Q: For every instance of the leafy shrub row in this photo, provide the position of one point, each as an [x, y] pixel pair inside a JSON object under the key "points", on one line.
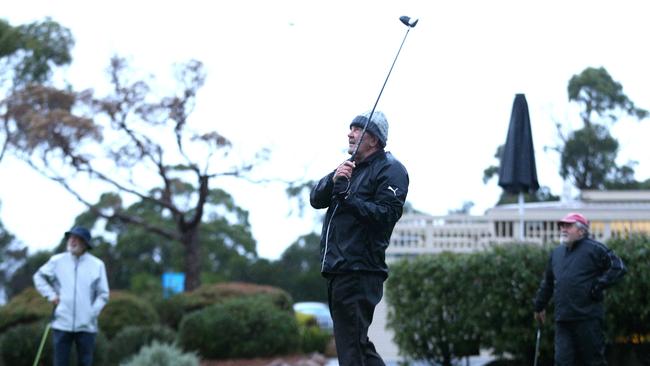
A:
{"points": [[240, 328], [262, 321], [445, 306]]}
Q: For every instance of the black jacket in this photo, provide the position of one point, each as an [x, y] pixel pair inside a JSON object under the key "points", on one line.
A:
{"points": [[576, 279], [357, 228]]}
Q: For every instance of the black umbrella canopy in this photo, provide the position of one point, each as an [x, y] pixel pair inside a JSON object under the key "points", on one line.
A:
{"points": [[517, 172]]}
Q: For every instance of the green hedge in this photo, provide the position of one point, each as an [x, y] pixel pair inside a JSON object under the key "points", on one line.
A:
{"points": [[173, 309], [19, 346], [445, 306], [131, 339], [27, 307], [240, 328], [124, 309]]}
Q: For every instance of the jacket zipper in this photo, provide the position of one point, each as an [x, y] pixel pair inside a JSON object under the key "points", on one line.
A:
{"points": [[74, 297], [327, 237]]}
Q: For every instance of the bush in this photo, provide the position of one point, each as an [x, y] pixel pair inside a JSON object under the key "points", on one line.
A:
{"points": [[484, 299], [125, 309], [432, 305], [131, 339], [27, 307], [240, 328], [161, 354], [19, 346], [312, 337], [173, 309]]}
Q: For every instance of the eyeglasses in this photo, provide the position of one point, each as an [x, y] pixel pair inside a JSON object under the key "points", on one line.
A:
{"points": [[565, 225]]}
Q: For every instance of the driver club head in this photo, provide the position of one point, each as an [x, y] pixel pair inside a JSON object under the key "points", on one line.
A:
{"points": [[407, 21]]}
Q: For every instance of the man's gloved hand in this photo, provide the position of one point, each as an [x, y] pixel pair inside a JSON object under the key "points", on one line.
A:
{"points": [[341, 186], [597, 293]]}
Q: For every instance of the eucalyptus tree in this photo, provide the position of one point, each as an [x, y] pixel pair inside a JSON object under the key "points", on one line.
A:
{"points": [[132, 142], [588, 155]]}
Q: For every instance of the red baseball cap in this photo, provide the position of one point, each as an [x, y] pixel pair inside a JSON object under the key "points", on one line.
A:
{"points": [[574, 217]]}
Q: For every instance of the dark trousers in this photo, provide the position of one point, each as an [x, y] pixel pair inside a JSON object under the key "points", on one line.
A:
{"points": [[580, 343], [352, 300], [85, 344]]}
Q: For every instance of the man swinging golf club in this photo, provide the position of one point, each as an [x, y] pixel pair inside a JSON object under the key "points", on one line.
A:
{"points": [[75, 282], [364, 199]]}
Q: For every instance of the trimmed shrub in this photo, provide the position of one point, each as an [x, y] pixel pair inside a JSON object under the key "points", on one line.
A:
{"points": [[485, 298], [430, 307], [173, 309], [240, 328], [161, 354], [312, 337], [124, 309], [19, 346], [131, 339], [27, 307]]}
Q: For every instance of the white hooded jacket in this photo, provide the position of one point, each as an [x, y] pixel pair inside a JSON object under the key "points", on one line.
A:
{"points": [[82, 288]]}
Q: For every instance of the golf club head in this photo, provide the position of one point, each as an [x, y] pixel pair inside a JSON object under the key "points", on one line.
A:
{"points": [[407, 21]]}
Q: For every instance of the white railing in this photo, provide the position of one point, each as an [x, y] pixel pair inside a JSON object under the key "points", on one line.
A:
{"points": [[418, 234]]}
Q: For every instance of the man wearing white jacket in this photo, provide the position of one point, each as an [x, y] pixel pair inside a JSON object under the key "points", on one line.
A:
{"points": [[75, 282]]}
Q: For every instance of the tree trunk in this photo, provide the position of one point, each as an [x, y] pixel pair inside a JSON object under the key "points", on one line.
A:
{"points": [[192, 259]]}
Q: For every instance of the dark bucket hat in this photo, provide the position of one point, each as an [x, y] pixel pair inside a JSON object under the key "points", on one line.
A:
{"points": [[82, 233]]}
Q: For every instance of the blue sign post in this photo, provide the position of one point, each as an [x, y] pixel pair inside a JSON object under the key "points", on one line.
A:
{"points": [[173, 283]]}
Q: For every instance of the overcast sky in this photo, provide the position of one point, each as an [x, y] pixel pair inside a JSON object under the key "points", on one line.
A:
{"points": [[291, 75]]}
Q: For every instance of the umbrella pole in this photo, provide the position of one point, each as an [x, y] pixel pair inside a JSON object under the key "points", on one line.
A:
{"points": [[521, 216]]}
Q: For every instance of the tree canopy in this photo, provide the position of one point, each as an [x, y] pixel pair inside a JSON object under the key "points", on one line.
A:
{"points": [[589, 154]]}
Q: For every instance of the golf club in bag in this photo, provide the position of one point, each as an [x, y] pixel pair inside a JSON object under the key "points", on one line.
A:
{"points": [[409, 24], [539, 333]]}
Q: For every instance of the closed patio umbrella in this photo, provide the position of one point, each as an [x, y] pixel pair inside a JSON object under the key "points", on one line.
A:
{"points": [[517, 171]]}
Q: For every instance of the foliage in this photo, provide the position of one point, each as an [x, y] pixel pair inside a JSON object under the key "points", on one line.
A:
{"points": [[27, 307], [506, 279], [125, 309], [297, 271], [76, 138], [589, 157], [245, 327], [431, 311], [589, 154], [19, 344], [11, 256], [131, 339], [173, 309], [32, 49], [161, 354], [439, 301], [626, 304], [312, 337], [21, 279], [599, 93]]}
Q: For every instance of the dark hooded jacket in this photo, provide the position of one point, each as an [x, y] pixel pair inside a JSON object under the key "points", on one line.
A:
{"points": [[576, 277], [357, 228]]}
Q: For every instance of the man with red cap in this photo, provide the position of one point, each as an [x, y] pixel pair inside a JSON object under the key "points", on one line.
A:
{"points": [[578, 272]]}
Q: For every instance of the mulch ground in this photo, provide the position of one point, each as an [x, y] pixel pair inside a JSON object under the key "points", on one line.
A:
{"points": [[291, 360]]}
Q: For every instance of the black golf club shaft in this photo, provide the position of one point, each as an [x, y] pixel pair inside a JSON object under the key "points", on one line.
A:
{"points": [[407, 21]]}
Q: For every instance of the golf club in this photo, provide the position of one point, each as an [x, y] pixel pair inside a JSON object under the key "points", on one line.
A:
{"points": [[539, 333], [45, 334], [409, 24]]}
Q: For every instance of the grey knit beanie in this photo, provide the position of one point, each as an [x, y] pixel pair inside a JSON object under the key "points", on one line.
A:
{"points": [[378, 126]]}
